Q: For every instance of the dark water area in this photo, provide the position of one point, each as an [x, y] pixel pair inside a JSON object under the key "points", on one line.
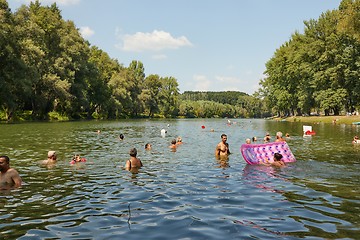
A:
{"points": [[182, 194]]}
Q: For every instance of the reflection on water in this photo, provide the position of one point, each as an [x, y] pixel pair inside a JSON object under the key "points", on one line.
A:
{"points": [[183, 194]]}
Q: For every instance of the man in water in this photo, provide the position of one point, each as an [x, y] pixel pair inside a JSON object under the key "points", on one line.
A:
{"points": [[9, 177], [222, 149], [51, 158]]}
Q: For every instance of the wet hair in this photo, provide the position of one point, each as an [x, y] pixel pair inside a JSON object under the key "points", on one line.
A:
{"points": [[277, 156], [223, 135], [173, 141], [7, 159], [133, 152], [147, 145], [254, 139], [121, 136]]}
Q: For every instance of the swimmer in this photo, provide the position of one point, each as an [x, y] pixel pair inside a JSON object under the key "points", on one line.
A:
{"points": [[179, 141], [9, 177], [173, 144], [133, 162], [356, 140], [254, 139], [248, 141], [267, 138], [287, 135], [121, 136], [279, 137], [148, 146], [77, 159], [278, 162], [222, 149], [51, 158]]}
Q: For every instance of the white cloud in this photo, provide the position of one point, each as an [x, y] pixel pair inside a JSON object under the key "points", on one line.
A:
{"points": [[86, 32], [154, 41], [159, 56], [201, 83], [60, 2], [228, 80]]}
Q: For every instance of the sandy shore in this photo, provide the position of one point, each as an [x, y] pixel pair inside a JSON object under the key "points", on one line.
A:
{"points": [[324, 119]]}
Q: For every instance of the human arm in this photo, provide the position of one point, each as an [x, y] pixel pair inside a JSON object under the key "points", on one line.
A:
{"points": [[16, 178]]}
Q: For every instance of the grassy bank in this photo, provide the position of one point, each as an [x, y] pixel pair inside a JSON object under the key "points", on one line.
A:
{"points": [[325, 119]]}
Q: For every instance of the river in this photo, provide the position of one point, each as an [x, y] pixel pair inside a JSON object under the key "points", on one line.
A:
{"points": [[182, 194]]}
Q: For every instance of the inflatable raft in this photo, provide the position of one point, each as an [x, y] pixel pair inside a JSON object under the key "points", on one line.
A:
{"points": [[262, 153]]}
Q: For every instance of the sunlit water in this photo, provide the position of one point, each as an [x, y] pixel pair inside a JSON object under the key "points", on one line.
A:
{"points": [[186, 194]]}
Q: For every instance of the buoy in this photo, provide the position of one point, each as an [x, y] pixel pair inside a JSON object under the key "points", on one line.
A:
{"points": [[203, 127]]}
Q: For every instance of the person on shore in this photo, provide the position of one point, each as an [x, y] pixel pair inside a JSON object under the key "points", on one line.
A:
{"points": [[148, 146], [222, 149], [133, 162], [279, 137], [51, 158], [9, 177]]}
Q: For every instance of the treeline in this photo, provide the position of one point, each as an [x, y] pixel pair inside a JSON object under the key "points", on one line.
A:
{"points": [[48, 71], [318, 70]]}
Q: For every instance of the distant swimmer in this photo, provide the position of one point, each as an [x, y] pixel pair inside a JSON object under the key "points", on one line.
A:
{"points": [[9, 177], [179, 141], [356, 140], [163, 132], [173, 144], [121, 136], [222, 149], [52, 157], [148, 146], [279, 137], [248, 141], [254, 139], [133, 162]]}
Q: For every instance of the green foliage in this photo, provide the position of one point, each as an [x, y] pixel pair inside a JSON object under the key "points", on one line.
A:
{"points": [[317, 69]]}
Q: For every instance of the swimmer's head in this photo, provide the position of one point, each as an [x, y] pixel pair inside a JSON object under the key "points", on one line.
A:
{"points": [[148, 146], [179, 139], [173, 141], [133, 152], [279, 134], [277, 156], [121, 136]]}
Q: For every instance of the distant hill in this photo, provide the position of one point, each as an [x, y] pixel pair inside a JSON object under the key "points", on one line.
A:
{"points": [[225, 97]]}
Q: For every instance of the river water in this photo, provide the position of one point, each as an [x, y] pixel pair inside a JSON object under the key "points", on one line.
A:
{"points": [[182, 194]]}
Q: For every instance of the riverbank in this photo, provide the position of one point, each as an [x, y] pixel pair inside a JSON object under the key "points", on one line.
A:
{"points": [[324, 119]]}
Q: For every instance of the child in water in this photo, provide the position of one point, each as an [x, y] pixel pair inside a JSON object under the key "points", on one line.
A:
{"points": [[77, 159]]}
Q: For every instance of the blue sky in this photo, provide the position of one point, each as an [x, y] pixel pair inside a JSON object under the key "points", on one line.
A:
{"points": [[207, 45]]}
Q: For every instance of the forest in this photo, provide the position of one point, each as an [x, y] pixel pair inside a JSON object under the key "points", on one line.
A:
{"points": [[48, 71]]}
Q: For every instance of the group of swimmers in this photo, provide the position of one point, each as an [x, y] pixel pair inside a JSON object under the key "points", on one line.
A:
{"points": [[267, 138]]}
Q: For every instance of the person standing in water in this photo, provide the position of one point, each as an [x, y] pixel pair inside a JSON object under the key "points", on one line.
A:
{"points": [[9, 177], [222, 149], [133, 162]]}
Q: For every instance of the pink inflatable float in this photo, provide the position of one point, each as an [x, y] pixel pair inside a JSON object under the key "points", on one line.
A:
{"points": [[260, 153]]}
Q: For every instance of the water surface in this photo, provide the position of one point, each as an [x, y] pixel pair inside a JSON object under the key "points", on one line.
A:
{"points": [[186, 194]]}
